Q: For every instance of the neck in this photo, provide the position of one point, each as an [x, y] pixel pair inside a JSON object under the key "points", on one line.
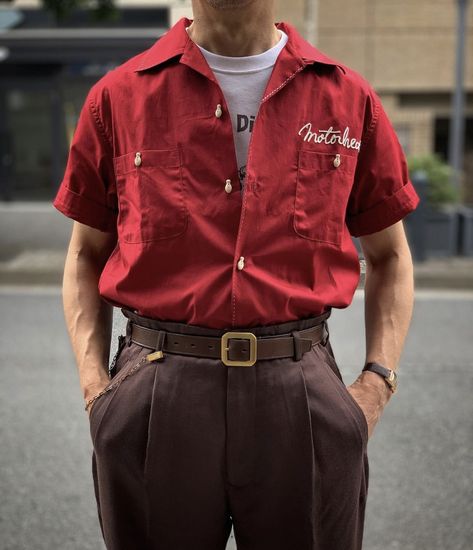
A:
{"points": [[248, 30]]}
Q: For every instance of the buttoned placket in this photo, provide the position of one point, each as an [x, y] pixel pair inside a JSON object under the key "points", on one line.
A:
{"points": [[287, 66], [219, 110], [272, 87], [218, 114]]}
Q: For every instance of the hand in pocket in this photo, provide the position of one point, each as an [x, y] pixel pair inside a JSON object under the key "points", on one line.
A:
{"points": [[371, 397]]}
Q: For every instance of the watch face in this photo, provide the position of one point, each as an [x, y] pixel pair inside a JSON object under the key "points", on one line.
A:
{"points": [[392, 379]]}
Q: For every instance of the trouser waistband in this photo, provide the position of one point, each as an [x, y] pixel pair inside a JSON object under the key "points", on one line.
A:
{"points": [[241, 346], [260, 330]]}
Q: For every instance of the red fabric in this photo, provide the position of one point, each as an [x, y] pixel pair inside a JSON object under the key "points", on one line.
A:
{"points": [[180, 234]]}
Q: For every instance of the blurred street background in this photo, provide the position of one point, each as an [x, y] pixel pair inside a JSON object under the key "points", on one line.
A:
{"points": [[419, 57]]}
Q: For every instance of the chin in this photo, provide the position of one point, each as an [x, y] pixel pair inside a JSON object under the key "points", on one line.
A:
{"points": [[229, 4]]}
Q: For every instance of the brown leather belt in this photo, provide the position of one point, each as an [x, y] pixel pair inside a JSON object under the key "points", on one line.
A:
{"points": [[233, 348]]}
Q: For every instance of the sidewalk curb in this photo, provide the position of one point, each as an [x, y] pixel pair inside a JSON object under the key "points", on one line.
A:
{"points": [[54, 278], [45, 267]]}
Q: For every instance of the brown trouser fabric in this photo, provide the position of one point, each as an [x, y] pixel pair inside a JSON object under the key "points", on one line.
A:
{"points": [[185, 448]]}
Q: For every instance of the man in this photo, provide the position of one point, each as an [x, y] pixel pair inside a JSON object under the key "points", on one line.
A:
{"points": [[216, 181]]}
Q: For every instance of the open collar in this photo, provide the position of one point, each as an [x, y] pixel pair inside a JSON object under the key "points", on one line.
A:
{"points": [[176, 42]]}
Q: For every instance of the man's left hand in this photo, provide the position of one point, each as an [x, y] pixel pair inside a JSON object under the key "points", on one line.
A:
{"points": [[371, 393]]}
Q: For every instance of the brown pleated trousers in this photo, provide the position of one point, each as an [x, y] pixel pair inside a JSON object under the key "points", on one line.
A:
{"points": [[187, 447]]}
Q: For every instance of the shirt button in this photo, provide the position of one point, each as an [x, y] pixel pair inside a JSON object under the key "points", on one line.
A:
{"points": [[241, 263], [218, 111], [228, 186], [337, 161], [138, 159]]}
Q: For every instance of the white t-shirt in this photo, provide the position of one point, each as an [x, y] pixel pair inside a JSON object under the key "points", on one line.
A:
{"points": [[243, 81]]}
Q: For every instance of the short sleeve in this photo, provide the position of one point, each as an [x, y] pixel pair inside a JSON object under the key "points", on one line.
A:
{"points": [[87, 192], [382, 192]]}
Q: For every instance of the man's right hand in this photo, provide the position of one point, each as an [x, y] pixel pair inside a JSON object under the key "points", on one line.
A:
{"points": [[93, 391], [88, 317], [90, 408]]}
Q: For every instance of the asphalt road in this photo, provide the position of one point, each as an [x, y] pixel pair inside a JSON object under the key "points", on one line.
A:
{"points": [[421, 453]]}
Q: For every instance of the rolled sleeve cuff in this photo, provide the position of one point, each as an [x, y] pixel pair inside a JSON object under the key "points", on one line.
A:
{"points": [[84, 210], [385, 213]]}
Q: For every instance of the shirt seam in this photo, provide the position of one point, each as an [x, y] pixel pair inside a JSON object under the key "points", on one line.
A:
{"points": [[373, 124], [291, 76], [89, 200], [99, 123], [88, 218]]}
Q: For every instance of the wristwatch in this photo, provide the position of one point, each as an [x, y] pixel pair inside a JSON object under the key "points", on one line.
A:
{"points": [[389, 375]]}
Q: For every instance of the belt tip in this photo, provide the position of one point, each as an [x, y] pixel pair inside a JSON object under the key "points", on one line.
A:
{"points": [[155, 356]]}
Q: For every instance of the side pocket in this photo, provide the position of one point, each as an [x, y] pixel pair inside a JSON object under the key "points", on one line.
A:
{"points": [[116, 366], [98, 411], [332, 363], [131, 360], [337, 377], [112, 371]]}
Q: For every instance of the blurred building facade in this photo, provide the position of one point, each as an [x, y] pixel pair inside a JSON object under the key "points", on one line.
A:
{"points": [[405, 48], [46, 68]]}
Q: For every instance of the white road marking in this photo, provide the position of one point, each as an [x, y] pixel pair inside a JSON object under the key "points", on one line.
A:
{"points": [[27, 290], [432, 294]]}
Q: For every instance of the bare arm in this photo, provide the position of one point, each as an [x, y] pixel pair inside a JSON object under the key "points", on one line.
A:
{"points": [[389, 297], [389, 294], [88, 317]]}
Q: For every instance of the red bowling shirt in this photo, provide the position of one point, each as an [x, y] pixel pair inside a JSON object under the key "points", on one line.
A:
{"points": [[153, 158]]}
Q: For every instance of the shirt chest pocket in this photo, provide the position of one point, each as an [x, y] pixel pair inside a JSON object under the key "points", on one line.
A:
{"points": [[323, 185], [150, 191]]}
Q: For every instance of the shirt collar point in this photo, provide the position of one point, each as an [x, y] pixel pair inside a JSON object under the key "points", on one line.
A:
{"points": [[167, 46]]}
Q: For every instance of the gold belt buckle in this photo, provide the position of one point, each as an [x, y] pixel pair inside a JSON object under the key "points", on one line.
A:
{"points": [[224, 348]]}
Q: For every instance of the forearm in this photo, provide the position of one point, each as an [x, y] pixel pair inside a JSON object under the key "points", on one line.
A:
{"points": [[389, 298], [88, 319]]}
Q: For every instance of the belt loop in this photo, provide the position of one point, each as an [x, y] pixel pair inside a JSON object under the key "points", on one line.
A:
{"points": [[298, 351], [128, 333], [157, 354], [160, 340]]}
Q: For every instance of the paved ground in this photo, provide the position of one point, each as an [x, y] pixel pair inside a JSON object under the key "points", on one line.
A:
{"points": [[421, 479], [44, 266], [34, 238]]}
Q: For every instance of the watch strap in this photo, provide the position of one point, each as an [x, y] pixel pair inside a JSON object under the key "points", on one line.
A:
{"points": [[389, 375]]}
